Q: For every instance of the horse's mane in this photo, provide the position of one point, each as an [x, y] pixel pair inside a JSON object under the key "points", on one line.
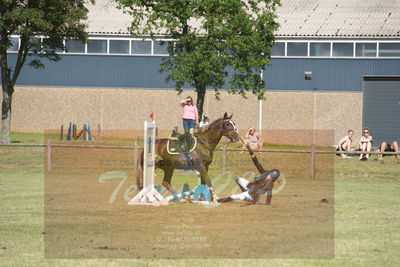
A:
{"points": [[215, 125]]}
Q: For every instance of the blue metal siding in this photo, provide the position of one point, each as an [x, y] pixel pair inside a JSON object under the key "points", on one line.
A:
{"points": [[328, 74], [143, 72], [381, 109], [97, 71]]}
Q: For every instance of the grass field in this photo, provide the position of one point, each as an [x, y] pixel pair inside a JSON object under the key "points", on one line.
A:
{"points": [[365, 206]]}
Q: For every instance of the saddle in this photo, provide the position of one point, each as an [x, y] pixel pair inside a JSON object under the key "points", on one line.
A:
{"points": [[181, 143]]}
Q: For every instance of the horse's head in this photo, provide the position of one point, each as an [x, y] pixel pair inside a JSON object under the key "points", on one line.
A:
{"points": [[229, 128]]}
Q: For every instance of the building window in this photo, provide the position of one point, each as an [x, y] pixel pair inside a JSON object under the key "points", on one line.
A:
{"points": [[119, 46], [74, 46], [14, 44], [342, 49], [282, 48], [141, 47], [365, 49], [297, 49], [278, 50], [320, 49], [389, 49], [160, 48], [97, 46], [35, 44], [46, 46]]}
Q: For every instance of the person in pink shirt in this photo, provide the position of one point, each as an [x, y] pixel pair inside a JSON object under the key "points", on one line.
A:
{"points": [[190, 114]]}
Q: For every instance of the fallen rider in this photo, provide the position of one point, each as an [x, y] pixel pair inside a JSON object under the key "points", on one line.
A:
{"points": [[252, 191]]}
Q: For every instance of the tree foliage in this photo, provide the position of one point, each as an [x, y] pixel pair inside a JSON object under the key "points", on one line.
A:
{"points": [[54, 20], [216, 42]]}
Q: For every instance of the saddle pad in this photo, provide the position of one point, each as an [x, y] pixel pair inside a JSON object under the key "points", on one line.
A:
{"points": [[174, 147]]}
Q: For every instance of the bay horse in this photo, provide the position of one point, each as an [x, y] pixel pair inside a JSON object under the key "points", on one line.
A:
{"points": [[199, 159]]}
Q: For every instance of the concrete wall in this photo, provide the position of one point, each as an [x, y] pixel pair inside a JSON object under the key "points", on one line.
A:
{"points": [[36, 109]]}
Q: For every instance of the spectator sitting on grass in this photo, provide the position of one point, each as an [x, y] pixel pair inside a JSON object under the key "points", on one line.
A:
{"points": [[253, 140], [345, 144], [365, 144], [385, 147]]}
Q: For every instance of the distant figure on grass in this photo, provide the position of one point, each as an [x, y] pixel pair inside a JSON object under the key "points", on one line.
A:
{"points": [[204, 122], [252, 139], [385, 147], [252, 191], [190, 115], [345, 144], [365, 144]]}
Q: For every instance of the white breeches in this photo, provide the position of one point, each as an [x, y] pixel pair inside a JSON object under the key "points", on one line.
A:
{"points": [[243, 182], [242, 196]]}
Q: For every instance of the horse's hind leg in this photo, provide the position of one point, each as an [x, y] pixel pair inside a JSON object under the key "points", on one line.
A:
{"points": [[139, 171], [168, 171]]}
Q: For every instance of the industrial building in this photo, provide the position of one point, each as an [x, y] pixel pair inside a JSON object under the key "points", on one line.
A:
{"points": [[335, 66]]}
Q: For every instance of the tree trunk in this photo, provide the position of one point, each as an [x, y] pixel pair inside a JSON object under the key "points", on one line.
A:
{"points": [[201, 93], [6, 116], [8, 90], [8, 82]]}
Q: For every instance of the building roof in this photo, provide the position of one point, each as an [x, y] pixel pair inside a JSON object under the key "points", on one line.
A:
{"points": [[297, 18], [339, 18], [105, 18]]}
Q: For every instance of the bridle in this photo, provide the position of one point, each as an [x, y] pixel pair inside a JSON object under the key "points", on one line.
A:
{"points": [[225, 129]]}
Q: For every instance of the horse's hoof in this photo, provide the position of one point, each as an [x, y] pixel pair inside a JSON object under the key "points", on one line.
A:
{"points": [[214, 198]]}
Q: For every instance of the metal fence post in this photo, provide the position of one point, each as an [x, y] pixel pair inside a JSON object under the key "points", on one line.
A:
{"points": [[98, 132], [135, 153], [49, 155], [312, 161], [224, 158], [62, 132]]}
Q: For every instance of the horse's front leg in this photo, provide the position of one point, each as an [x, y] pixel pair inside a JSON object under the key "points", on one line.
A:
{"points": [[201, 178], [207, 180], [168, 171]]}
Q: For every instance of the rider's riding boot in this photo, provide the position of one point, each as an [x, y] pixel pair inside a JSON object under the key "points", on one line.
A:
{"points": [[225, 199], [187, 140]]}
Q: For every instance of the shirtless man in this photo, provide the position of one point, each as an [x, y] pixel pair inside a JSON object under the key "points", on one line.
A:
{"points": [[385, 147], [252, 139]]}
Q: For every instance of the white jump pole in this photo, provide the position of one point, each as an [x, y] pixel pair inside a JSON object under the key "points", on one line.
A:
{"points": [[148, 195], [260, 108]]}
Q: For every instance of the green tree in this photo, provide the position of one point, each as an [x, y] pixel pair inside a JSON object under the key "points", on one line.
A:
{"points": [[52, 20], [216, 42]]}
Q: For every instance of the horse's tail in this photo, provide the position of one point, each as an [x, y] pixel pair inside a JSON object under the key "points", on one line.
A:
{"points": [[139, 171]]}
